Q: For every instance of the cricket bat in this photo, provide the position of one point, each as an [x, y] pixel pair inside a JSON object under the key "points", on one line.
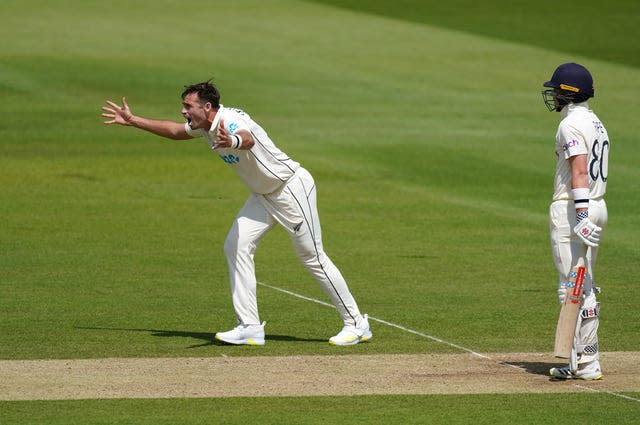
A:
{"points": [[565, 331]]}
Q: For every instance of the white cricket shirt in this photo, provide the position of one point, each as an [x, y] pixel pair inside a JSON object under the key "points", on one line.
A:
{"points": [[581, 132], [264, 167]]}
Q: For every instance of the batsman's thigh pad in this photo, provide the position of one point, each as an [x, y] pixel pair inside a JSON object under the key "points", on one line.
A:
{"points": [[598, 213], [566, 247]]}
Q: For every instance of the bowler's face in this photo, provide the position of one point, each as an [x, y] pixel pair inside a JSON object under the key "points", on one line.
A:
{"points": [[195, 112]]}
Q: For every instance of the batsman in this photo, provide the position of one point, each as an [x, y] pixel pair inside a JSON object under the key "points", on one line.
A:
{"points": [[577, 217]]}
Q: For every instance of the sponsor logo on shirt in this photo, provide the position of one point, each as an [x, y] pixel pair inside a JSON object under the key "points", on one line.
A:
{"points": [[230, 159], [570, 144]]}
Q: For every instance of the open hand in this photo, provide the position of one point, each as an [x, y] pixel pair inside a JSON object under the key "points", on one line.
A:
{"points": [[118, 114], [223, 137]]}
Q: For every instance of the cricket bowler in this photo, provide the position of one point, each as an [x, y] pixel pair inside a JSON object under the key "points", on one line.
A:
{"points": [[281, 192], [578, 212]]}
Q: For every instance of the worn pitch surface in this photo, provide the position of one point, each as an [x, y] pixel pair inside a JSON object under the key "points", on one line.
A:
{"points": [[304, 376]]}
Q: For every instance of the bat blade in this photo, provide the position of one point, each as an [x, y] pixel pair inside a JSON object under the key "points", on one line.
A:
{"points": [[568, 318]]}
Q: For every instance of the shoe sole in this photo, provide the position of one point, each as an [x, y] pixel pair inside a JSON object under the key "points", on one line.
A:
{"points": [[250, 341], [590, 378], [572, 376], [363, 338], [581, 378]]}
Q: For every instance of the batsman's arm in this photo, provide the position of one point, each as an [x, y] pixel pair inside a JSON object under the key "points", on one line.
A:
{"points": [[586, 230], [579, 175], [122, 115]]}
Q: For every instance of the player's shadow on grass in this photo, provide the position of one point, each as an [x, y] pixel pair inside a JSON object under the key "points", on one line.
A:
{"points": [[208, 338]]}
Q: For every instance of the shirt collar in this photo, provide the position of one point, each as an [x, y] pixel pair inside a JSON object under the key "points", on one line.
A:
{"points": [[216, 120], [574, 107]]}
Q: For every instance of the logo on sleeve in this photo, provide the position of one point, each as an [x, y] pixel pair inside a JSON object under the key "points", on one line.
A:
{"points": [[571, 144]]}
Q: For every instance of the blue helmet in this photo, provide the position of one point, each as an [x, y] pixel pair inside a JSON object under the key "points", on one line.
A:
{"points": [[569, 83]]}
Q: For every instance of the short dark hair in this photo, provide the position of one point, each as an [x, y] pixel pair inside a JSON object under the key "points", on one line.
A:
{"points": [[207, 92]]}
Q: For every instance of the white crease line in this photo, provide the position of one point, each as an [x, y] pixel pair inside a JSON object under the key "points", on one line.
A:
{"points": [[431, 337], [436, 339], [393, 325], [607, 392]]}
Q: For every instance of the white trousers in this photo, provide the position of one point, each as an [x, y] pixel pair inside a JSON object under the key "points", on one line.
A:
{"points": [[294, 207], [566, 247]]}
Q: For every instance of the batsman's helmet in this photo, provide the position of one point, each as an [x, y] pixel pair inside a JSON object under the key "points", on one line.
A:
{"points": [[569, 83]]}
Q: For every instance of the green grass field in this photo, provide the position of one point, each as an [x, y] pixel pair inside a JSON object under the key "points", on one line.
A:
{"points": [[423, 125]]}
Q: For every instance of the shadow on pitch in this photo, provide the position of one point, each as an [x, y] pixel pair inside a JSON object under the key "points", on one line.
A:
{"points": [[535, 368], [207, 338]]}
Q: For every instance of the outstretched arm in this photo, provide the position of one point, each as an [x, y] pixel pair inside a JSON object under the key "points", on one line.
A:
{"points": [[122, 115]]}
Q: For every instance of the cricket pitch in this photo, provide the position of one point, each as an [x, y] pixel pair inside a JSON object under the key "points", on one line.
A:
{"points": [[289, 376]]}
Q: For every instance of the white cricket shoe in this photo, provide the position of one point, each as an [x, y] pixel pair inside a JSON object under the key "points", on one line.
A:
{"points": [[243, 335], [591, 372], [351, 335]]}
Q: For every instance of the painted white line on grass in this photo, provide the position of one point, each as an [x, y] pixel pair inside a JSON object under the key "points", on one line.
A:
{"points": [[607, 392], [436, 339], [297, 295], [393, 325], [431, 337]]}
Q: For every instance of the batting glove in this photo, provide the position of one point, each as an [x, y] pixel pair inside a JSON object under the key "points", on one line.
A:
{"points": [[588, 232]]}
